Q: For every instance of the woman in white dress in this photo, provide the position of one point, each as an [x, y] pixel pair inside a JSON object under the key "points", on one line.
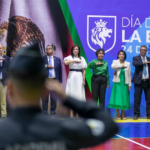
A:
{"points": [[76, 78]]}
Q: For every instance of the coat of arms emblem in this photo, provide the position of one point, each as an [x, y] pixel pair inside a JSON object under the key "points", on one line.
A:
{"points": [[101, 32]]}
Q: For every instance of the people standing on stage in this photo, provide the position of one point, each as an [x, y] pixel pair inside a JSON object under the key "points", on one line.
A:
{"points": [[120, 96], [100, 78], [76, 78], [54, 71], [141, 81], [4, 62]]}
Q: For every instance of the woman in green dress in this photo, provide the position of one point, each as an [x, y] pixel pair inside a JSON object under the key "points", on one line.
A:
{"points": [[120, 96]]}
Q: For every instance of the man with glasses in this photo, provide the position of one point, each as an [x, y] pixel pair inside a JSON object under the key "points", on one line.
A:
{"points": [[141, 81], [54, 71]]}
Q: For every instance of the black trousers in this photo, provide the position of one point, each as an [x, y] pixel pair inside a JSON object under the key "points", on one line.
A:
{"points": [[53, 104], [45, 105], [144, 85], [98, 85]]}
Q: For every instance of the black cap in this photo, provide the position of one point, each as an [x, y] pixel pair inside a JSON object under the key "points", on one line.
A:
{"points": [[28, 62]]}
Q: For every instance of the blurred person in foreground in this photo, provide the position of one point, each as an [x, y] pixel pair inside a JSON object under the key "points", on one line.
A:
{"points": [[23, 45], [14, 52], [28, 128]]}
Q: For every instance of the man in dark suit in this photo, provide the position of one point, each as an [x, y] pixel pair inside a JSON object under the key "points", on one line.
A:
{"points": [[141, 81], [54, 71], [4, 62]]}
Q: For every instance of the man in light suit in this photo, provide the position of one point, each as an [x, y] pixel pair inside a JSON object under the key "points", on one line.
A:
{"points": [[54, 71], [4, 62], [141, 81]]}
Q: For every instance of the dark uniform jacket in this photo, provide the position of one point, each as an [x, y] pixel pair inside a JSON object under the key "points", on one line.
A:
{"points": [[27, 128]]}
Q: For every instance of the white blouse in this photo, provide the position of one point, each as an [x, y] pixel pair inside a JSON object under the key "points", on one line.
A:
{"points": [[81, 65]]}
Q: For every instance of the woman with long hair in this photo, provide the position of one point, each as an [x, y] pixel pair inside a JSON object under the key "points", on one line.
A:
{"points": [[76, 78], [120, 97]]}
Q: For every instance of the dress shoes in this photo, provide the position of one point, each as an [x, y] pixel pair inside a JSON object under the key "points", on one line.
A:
{"points": [[135, 117]]}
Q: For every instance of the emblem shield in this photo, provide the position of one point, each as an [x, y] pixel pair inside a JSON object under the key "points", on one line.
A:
{"points": [[101, 32]]}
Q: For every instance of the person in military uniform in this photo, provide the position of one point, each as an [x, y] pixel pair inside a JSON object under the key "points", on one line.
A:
{"points": [[28, 128]]}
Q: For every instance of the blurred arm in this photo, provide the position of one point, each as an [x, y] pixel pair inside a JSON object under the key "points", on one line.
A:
{"points": [[96, 127]]}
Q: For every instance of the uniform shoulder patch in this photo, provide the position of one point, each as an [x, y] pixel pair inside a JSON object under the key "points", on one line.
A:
{"points": [[97, 127]]}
